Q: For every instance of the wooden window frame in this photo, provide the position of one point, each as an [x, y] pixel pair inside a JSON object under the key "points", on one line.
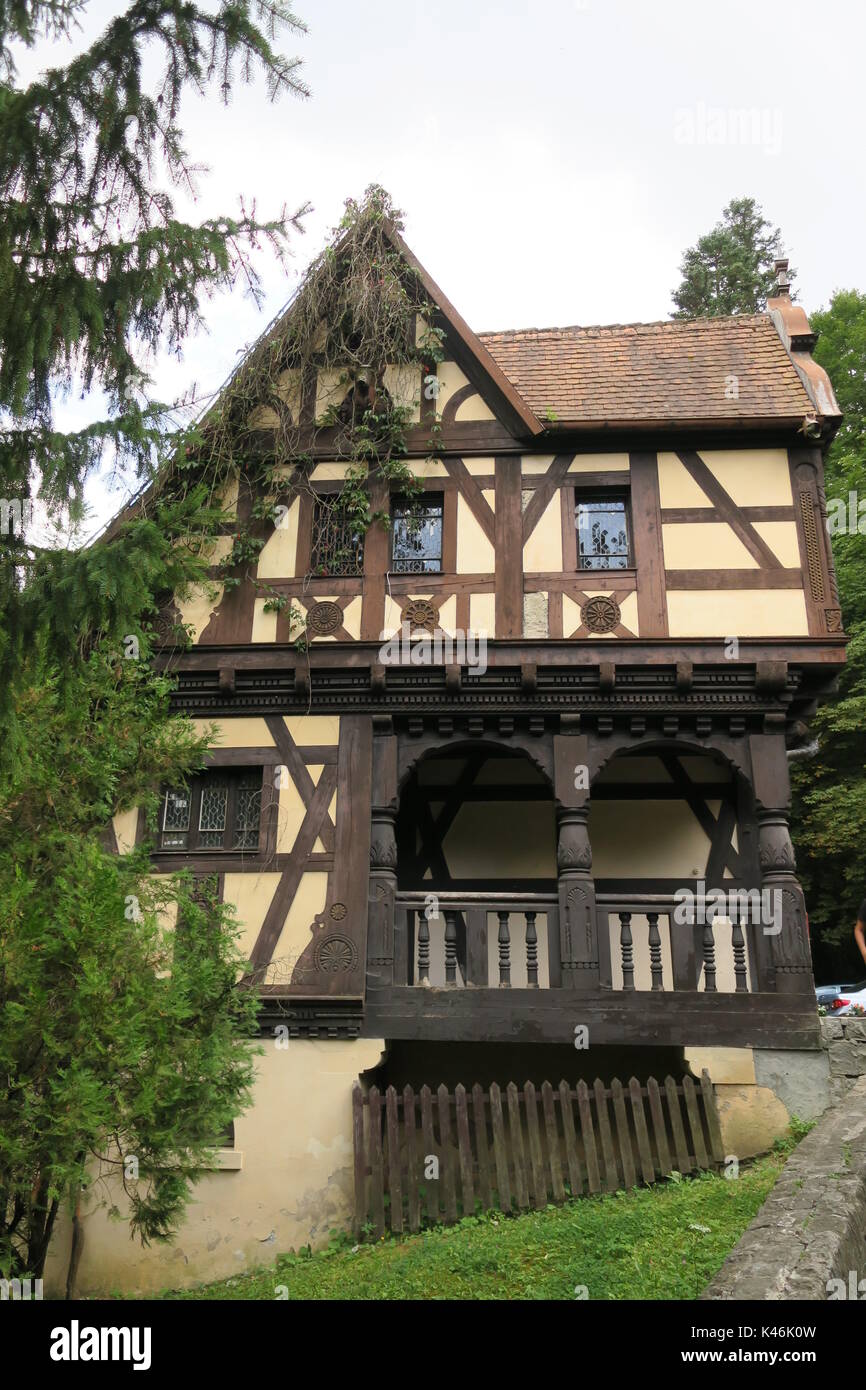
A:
{"points": [[320, 495], [580, 494], [233, 777]]}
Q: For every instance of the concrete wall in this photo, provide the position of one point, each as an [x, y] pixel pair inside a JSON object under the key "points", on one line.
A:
{"points": [[287, 1183]]}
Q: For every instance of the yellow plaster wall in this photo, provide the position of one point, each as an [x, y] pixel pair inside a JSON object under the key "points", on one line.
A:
{"points": [[277, 556], [781, 537], [307, 904], [646, 839], [250, 895], [403, 384], [475, 554], [294, 1182], [752, 477], [329, 472], [482, 614], [677, 488], [264, 624], [198, 606], [542, 553], [502, 838], [427, 468], [704, 545], [600, 463], [243, 731], [125, 824], [313, 728], [737, 613]]}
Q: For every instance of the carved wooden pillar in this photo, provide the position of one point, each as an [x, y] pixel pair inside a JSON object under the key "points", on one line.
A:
{"points": [[783, 906], [383, 866], [577, 914], [579, 948], [383, 886]]}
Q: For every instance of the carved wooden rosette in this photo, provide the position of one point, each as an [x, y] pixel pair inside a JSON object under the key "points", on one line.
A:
{"points": [[578, 939]]}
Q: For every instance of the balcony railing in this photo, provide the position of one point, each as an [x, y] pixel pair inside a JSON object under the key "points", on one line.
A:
{"points": [[642, 947], [511, 940], [465, 940]]}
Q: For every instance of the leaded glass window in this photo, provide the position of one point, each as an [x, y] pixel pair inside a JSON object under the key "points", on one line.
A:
{"points": [[602, 533], [416, 546], [175, 820], [247, 813], [212, 816], [220, 810]]}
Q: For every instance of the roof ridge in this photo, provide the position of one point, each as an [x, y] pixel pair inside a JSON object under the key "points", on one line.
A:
{"points": [[651, 323]]}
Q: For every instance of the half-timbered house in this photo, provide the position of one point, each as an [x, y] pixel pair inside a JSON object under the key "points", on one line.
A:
{"points": [[553, 699]]}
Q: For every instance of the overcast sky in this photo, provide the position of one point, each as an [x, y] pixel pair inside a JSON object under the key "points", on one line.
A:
{"points": [[553, 158]]}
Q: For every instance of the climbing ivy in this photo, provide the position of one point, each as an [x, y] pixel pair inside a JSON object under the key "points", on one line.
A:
{"points": [[360, 319]]}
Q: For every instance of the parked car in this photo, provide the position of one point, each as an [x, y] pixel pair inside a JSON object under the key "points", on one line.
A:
{"points": [[842, 999]]}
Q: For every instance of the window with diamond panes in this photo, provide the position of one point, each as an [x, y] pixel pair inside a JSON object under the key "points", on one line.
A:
{"points": [[602, 533], [416, 545], [219, 811], [337, 545]]}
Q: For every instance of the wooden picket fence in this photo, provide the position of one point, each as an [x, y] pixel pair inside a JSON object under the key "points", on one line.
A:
{"points": [[464, 1152]]}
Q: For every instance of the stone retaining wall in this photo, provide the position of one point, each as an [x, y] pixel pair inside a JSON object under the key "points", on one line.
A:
{"points": [[844, 1040], [812, 1227]]}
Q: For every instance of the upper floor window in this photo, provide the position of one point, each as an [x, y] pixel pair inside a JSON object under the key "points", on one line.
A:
{"points": [[416, 531], [602, 533], [218, 810], [337, 544]]}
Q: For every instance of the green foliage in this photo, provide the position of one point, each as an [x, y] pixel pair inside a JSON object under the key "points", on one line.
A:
{"points": [[121, 1036], [97, 273], [362, 319], [664, 1242], [829, 820], [121, 1033], [730, 270]]}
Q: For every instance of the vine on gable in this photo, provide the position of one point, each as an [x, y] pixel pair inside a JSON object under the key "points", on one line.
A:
{"points": [[360, 324]]}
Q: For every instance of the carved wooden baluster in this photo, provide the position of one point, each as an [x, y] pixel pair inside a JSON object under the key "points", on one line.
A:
{"points": [[739, 944], [450, 948], [625, 943], [504, 951], [423, 949], [655, 948], [709, 958], [531, 951]]}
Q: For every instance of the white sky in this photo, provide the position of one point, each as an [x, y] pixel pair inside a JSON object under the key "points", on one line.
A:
{"points": [[553, 157]]}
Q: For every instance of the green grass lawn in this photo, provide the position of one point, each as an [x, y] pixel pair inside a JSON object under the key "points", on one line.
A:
{"points": [[664, 1242]]}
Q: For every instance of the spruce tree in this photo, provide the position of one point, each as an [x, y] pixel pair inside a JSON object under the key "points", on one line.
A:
{"points": [[730, 270], [121, 1019]]}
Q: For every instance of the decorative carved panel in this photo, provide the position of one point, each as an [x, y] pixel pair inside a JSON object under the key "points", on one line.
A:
{"points": [[324, 618], [601, 614]]}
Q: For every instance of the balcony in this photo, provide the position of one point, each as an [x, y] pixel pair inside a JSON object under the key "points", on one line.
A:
{"points": [[480, 965]]}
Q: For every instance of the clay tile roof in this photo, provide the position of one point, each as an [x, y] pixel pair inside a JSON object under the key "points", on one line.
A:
{"points": [[673, 370]]}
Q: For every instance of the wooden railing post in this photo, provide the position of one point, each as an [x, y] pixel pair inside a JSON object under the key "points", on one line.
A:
{"points": [[531, 951], [739, 948], [504, 951], [709, 957], [423, 949], [625, 942], [655, 950], [450, 947]]}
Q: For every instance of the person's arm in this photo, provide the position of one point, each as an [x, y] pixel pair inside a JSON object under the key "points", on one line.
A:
{"points": [[859, 937]]}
